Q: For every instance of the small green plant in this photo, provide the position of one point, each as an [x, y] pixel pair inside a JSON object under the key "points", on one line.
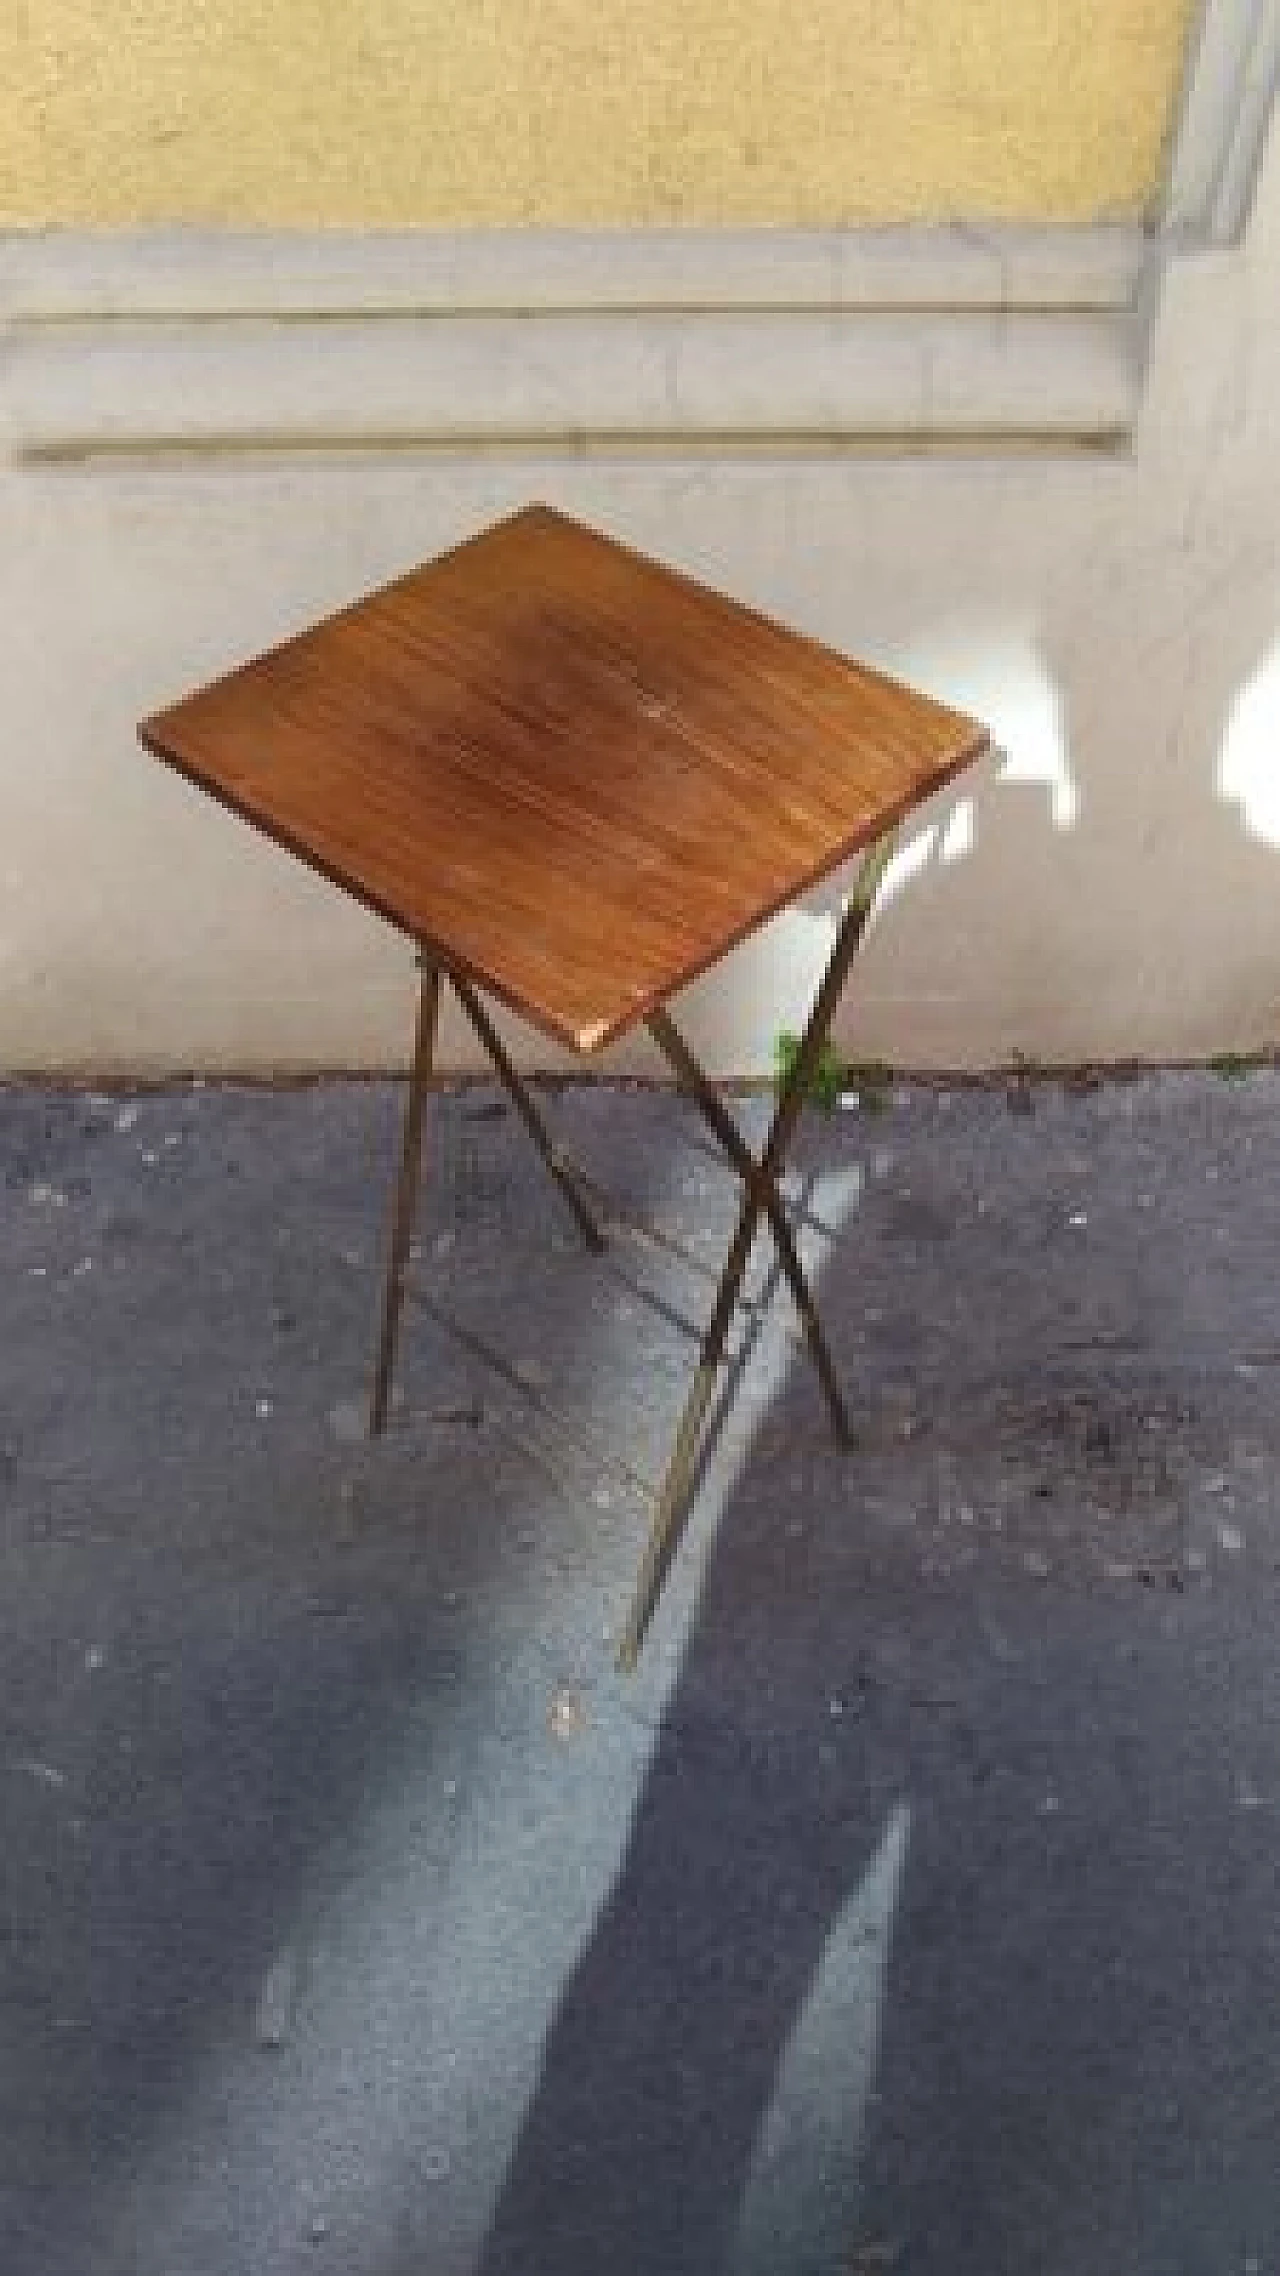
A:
{"points": [[826, 1081], [1233, 1066], [833, 1075]]}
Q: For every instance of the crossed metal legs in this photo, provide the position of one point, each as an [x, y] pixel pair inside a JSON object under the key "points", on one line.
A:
{"points": [[411, 1161], [760, 1198]]}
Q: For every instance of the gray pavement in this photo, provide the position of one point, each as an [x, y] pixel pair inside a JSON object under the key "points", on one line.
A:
{"points": [[913, 1909]]}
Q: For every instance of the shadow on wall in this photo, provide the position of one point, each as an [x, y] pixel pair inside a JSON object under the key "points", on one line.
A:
{"points": [[718, 2016], [1140, 870]]}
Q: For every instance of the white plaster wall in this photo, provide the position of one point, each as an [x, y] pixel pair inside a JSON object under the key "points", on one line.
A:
{"points": [[1110, 890]]}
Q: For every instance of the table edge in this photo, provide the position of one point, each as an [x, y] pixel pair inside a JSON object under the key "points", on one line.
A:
{"points": [[586, 1041]]}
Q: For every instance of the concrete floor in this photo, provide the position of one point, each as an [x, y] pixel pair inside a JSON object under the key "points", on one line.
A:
{"points": [[913, 1909]]}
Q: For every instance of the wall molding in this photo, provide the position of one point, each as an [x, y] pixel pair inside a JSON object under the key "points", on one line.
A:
{"points": [[49, 277], [676, 340], [682, 341]]}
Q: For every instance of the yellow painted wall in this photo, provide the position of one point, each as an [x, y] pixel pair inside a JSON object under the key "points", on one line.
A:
{"points": [[400, 113]]}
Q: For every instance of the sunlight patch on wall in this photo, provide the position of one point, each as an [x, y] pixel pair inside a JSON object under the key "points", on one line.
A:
{"points": [[911, 858], [1249, 766], [1001, 677], [957, 837]]}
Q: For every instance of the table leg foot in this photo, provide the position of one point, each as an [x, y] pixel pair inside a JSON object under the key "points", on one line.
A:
{"points": [[670, 1516]]}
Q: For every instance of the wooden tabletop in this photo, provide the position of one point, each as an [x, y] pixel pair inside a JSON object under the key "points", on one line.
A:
{"points": [[577, 775]]}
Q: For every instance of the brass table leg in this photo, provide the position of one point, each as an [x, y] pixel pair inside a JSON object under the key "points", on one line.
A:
{"points": [[406, 1193], [672, 1508], [411, 1160], [761, 1198], [672, 1043]]}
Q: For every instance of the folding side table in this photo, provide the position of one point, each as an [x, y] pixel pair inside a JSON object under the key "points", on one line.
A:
{"points": [[576, 779]]}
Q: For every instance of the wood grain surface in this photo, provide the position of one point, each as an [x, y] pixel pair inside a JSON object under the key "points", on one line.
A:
{"points": [[577, 775]]}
